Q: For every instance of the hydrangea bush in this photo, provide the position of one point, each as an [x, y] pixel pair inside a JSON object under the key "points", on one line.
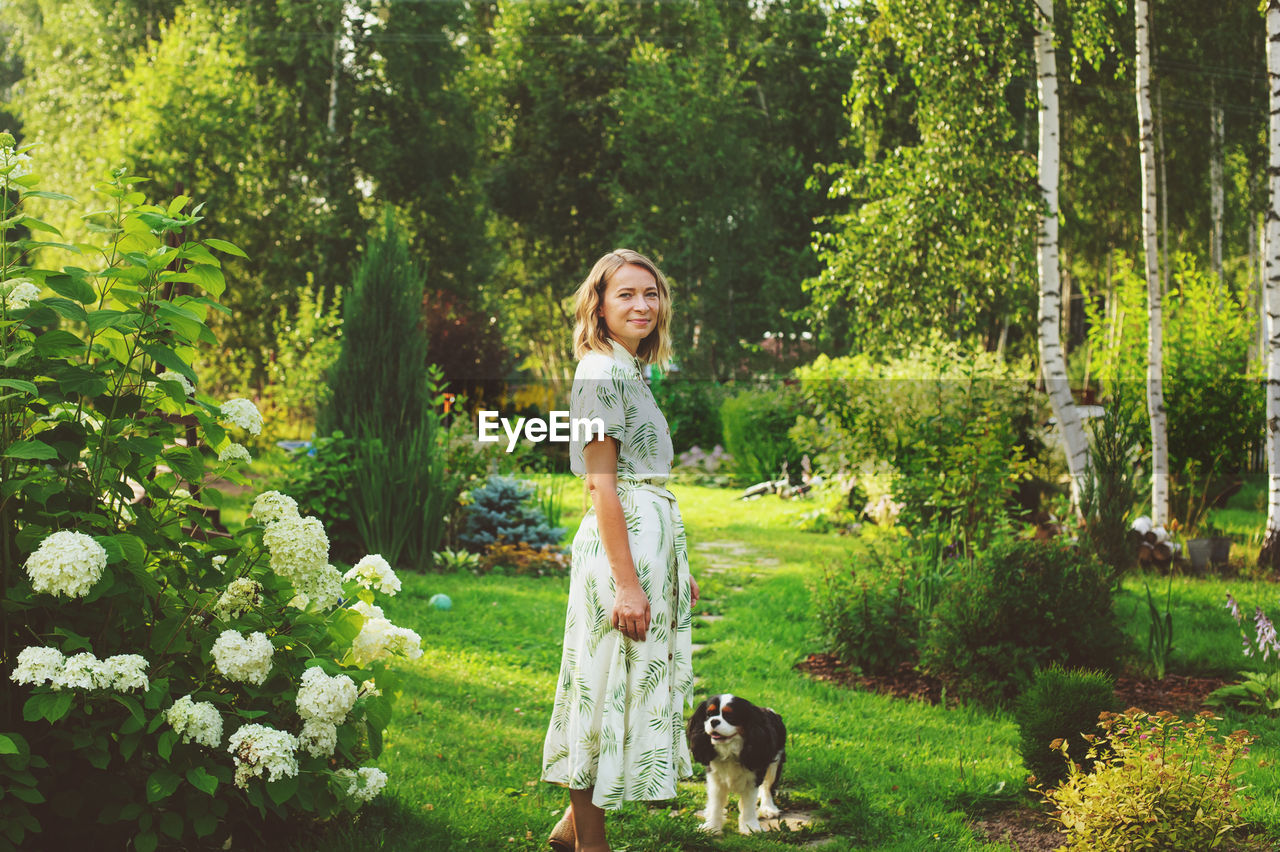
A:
{"points": [[165, 682]]}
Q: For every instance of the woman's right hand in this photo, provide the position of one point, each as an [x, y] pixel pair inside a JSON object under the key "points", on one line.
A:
{"points": [[631, 612]]}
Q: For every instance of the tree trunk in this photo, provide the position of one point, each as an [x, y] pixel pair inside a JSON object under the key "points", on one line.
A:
{"points": [[1270, 553], [1053, 363], [1155, 319], [1164, 191], [1215, 183]]}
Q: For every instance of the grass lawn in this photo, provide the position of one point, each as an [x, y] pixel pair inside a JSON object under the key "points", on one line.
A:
{"points": [[464, 750]]}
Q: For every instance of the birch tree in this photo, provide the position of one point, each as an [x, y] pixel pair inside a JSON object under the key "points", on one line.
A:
{"points": [[1216, 190], [1270, 553], [1155, 328], [1053, 362]]}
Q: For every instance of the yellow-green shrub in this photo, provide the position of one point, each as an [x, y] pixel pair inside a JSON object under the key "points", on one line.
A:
{"points": [[1157, 782]]}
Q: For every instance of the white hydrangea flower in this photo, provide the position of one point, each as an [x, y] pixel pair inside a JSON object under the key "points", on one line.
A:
{"points": [[174, 376], [82, 671], [374, 572], [181, 494], [258, 749], [196, 721], [219, 561], [19, 293], [273, 506], [298, 547], [325, 698], [241, 595], [379, 638], [318, 591], [66, 563], [363, 785], [127, 672], [234, 452], [369, 688], [244, 659], [319, 738], [242, 413], [38, 665]]}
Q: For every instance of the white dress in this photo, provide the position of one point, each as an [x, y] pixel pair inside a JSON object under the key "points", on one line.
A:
{"points": [[618, 720]]}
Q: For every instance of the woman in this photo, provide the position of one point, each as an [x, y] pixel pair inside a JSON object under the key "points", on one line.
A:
{"points": [[617, 731]]}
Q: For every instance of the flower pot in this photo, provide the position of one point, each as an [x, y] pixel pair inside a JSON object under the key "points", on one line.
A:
{"points": [[1198, 550], [1219, 549]]}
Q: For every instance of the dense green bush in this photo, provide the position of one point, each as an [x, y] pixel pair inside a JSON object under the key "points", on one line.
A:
{"points": [[692, 409], [1115, 479], [321, 481], [504, 510], [956, 429], [1060, 704], [874, 619], [1017, 607], [112, 731], [757, 423], [1156, 782]]}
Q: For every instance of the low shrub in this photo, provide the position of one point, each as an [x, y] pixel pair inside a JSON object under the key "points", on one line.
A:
{"points": [[503, 510], [1016, 607], [757, 423], [692, 409], [523, 560], [321, 481], [1157, 782], [1061, 704]]}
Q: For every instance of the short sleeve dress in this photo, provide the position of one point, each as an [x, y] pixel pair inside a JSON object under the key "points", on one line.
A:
{"points": [[618, 720]]}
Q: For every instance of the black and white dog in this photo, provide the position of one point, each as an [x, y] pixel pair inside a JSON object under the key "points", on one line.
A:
{"points": [[744, 748]]}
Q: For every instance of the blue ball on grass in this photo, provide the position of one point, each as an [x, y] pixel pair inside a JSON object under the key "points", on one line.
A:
{"points": [[441, 601]]}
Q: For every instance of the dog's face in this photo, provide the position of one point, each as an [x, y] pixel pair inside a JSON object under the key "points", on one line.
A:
{"points": [[726, 717]]}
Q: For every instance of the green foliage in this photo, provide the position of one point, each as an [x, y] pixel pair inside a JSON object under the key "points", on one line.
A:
{"points": [[93, 408], [1256, 691], [306, 344], [955, 429], [756, 425], [692, 409], [1160, 634], [1060, 704], [1114, 481], [521, 559], [503, 510], [1156, 782], [875, 619], [322, 481], [1017, 607]]}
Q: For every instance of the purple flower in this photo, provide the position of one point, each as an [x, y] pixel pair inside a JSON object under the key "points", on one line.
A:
{"points": [[1233, 608], [1266, 638]]}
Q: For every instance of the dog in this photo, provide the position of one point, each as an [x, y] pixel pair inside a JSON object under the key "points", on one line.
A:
{"points": [[744, 748]]}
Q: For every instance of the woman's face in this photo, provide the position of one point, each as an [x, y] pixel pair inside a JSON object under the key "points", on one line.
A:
{"points": [[630, 305]]}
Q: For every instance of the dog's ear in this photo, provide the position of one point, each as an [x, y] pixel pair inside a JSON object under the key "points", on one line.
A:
{"points": [[699, 743], [759, 745]]}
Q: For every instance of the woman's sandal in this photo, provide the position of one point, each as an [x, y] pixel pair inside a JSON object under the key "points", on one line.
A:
{"points": [[563, 837]]}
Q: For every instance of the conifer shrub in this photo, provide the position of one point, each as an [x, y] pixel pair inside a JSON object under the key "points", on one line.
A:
{"points": [[504, 510], [1060, 704]]}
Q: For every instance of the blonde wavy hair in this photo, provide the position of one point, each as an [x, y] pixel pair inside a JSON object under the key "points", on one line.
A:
{"points": [[590, 334]]}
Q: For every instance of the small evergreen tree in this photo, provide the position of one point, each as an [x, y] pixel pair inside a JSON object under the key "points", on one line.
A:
{"points": [[379, 382]]}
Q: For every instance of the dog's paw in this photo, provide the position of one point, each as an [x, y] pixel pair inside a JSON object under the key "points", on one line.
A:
{"points": [[711, 828], [749, 827], [766, 812]]}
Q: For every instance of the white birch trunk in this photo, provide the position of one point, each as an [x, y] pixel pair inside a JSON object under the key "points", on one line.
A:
{"points": [[1053, 362], [1155, 310], [1216, 191], [1271, 289]]}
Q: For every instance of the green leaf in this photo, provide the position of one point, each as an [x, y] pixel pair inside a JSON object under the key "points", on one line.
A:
{"points": [[20, 384], [223, 245], [205, 824], [58, 706], [281, 791], [44, 193], [161, 784], [67, 308], [164, 744], [30, 795], [210, 279], [202, 780], [147, 841], [33, 450], [73, 287], [170, 359], [7, 745], [35, 224], [98, 320]]}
